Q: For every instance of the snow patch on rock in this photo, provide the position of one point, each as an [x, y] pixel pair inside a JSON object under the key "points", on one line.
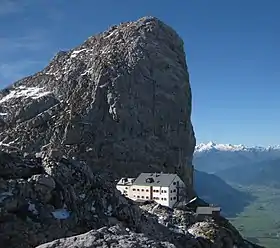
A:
{"points": [[25, 92], [75, 53]]}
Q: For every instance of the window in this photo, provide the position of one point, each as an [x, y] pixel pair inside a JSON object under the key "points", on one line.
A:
{"points": [[147, 197], [134, 196], [174, 198], [142, 196], [156, 190], [138, 189], [138, 196], [147, 190], [174, 183], [142, 190], [126, 188], [174, 190], [164, 199], [133, 189], [163, 191]]}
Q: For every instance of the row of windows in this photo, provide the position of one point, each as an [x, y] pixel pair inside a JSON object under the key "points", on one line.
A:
{"points": [[155, 198], [141, 190], [164, 199], [155, 190], [163, 191], [147, 197]]}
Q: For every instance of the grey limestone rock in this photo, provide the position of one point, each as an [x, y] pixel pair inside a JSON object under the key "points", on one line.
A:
{"points": [[67, 199], [124, 93], [114, 236]]}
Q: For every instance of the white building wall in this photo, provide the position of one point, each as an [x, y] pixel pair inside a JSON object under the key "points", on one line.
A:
{"points": [[124, 189], [176, 185], [161, 195], [166, 196], [142, 193], [173, 197], [124, 186]]}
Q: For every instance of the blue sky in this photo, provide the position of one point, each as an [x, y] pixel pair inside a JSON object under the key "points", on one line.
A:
{"points": [[232, 52]]}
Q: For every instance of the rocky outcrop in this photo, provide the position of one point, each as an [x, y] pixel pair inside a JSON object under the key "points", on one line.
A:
{"points": [[53, 197], [118, 237], [121, 99], [61, 198], [117, 105], [210, 231], [108, 237]]}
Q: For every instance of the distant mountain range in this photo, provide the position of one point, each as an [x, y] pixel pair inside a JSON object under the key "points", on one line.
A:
{"points": [[240, 164], [229, 147], [212, 157], [220, 167], [266, 173]]}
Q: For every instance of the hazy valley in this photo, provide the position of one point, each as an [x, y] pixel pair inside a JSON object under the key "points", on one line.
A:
{"points": [[253, 174]]}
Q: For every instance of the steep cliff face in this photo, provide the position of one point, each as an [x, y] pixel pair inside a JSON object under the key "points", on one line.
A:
{"points": [[120, 100]]}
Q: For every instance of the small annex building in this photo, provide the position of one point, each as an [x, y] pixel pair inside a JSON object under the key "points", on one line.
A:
{"points": [[203, 209], [163, 188]]}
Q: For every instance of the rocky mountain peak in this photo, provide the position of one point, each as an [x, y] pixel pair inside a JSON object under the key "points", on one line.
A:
{"points": [[117, 105], [121, 99]]}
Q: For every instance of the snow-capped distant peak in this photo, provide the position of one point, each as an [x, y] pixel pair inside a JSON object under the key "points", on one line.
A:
{"points": [[222, 147], [229, 147]]}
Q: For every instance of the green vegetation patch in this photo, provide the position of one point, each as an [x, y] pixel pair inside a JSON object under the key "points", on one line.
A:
{"points": [[260, 221]]}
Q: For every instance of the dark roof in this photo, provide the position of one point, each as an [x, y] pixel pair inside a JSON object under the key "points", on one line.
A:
{"points": [[154, 179]]}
